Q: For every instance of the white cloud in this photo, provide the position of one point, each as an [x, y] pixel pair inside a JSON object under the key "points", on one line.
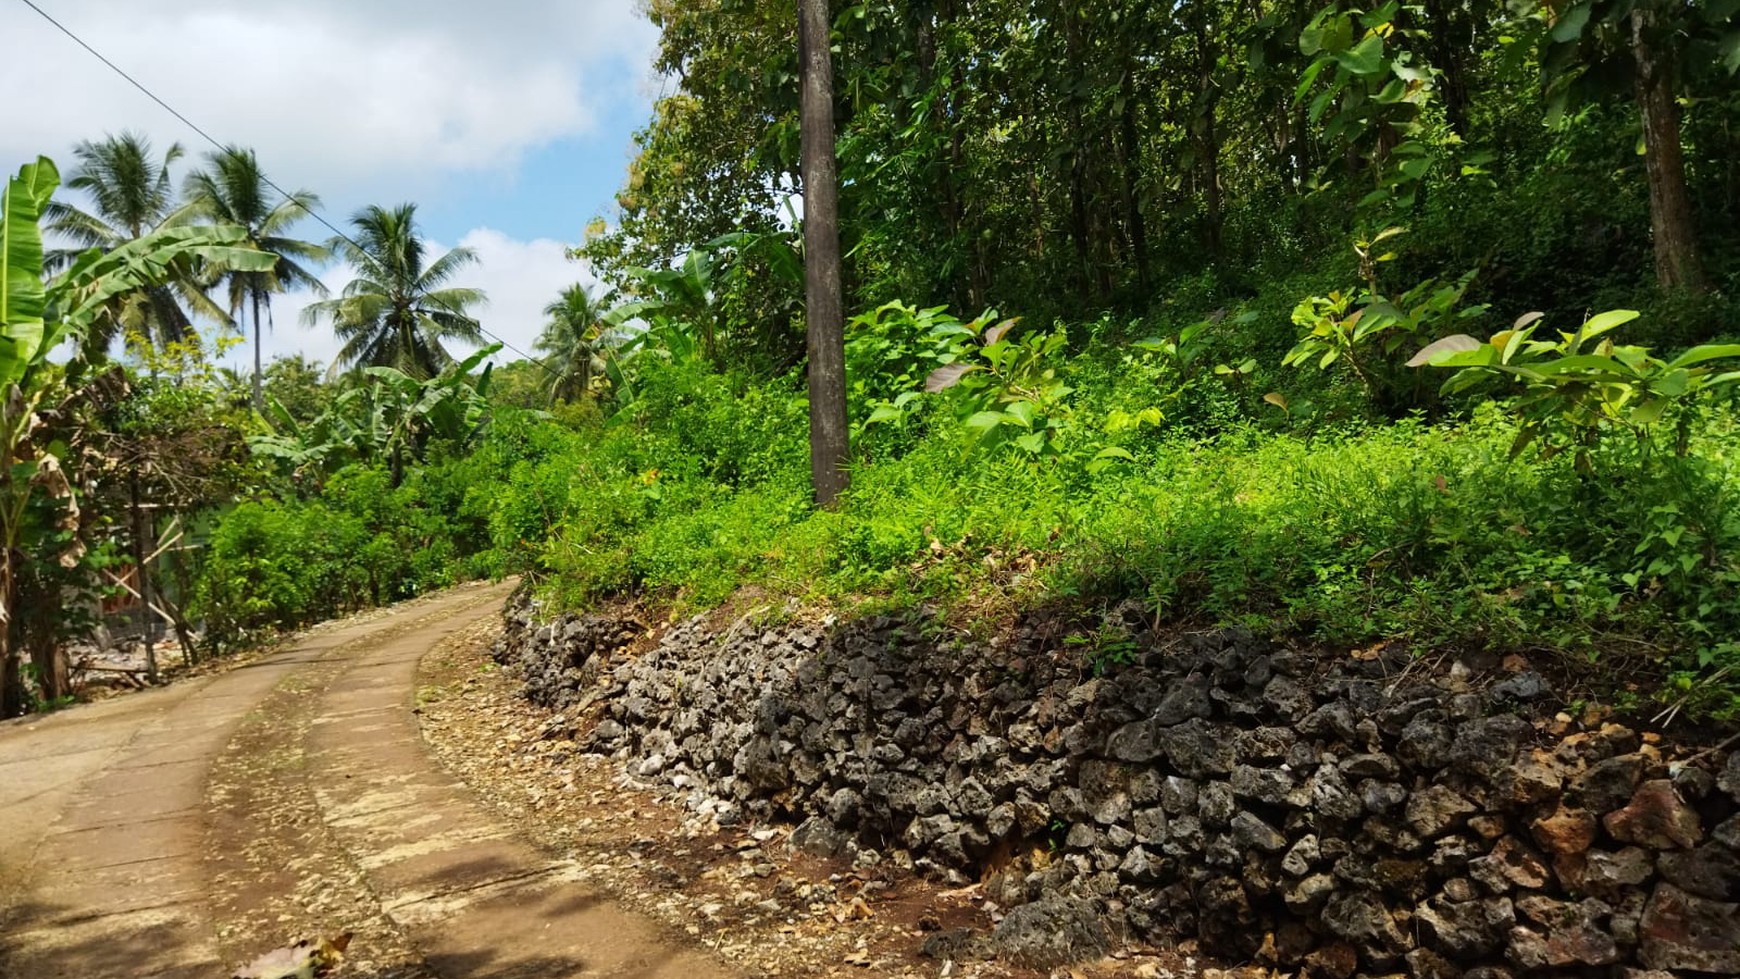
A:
{"points": [[347, 98], [520, 278]]}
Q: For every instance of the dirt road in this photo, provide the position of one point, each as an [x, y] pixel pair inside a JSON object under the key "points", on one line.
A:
{"points": [[179, 832]]}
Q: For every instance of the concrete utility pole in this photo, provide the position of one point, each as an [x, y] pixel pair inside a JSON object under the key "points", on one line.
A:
{"points": [[829, 439]]}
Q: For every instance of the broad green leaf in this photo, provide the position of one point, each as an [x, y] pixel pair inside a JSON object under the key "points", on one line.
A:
{"points": [[986, 420], [23, 299], [1309, 79], [1604, 322], [884, 414], [1460, 343], [1672, 384], [1571, 23], [1706, 352], [1022, 412], [1364, 58], [1649, 412]]}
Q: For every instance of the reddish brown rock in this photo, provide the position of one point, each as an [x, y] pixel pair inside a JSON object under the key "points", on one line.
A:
{"points": [[1577, 944], [1657, 818], [1510, 864], [1571, 869], [1566, 831], [1337, 960], [1489, 827], [1680, 931]]}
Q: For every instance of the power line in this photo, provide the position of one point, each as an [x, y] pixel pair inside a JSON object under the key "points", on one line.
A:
{"points": [[220, 147]]}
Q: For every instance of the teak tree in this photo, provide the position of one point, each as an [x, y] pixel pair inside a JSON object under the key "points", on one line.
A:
{"points": [[824, 304]]}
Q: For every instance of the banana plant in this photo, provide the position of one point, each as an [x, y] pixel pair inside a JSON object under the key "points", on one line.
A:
{"points": [[36, 317], [389, 416]]}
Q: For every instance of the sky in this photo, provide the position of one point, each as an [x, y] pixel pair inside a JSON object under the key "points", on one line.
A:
{"points": [[508, 123]]}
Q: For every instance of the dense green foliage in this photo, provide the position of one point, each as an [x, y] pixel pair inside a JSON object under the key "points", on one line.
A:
{"points": [[1298, 327]]}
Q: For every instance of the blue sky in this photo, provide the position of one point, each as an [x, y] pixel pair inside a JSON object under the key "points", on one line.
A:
{"points": [[509, 124]]}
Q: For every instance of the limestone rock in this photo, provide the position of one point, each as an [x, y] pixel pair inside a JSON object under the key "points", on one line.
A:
{"points": [[1656, 818], [1680, 931], [1565, 831], [1510, 864], [1052, 931], [1437, 810]]}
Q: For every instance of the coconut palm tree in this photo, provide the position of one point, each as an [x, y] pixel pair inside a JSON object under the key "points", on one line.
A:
{"points": [[235, 191], [399, 309], [572, 344], [131, 195]]}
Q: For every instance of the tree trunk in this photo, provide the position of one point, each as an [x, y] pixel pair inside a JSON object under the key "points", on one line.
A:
{"points": [[49, 659], [1133, 177], [1452, 44], [259, 401], [141, 551], [1670, 206], [1209, 143], [824, 303], [12, 697]]}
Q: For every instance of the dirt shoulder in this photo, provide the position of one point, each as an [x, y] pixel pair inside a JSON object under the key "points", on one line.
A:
{"points": [[740, 891]]}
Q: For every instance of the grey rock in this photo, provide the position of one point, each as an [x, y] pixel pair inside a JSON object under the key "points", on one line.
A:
{"points": [[1271, 786], [1302, 856], [1521, 688], [1607, 785], [1185, 700], [1709, 871], [1197, 748], [1288, 698], [1250, 831], [1729, 780], [1139, 742], [1215, 804], [1380, 797], [1425, 742], [1052, 931], [1001, 821], [1437, 810], [1465, 930], [1178, 796], [1370, 766], [1081, 836], [1307, 896], [1486, 746], [1605, 874], [817, 837], [1331, 797], [1138, 866], [1149, 825], [1362, 919]]}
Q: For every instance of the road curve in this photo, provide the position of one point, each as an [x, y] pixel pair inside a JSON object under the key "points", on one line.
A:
{"points": [[178, 832]]}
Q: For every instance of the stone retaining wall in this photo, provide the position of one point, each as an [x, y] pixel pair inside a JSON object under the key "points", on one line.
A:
{"points": [[1347, 815]]}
